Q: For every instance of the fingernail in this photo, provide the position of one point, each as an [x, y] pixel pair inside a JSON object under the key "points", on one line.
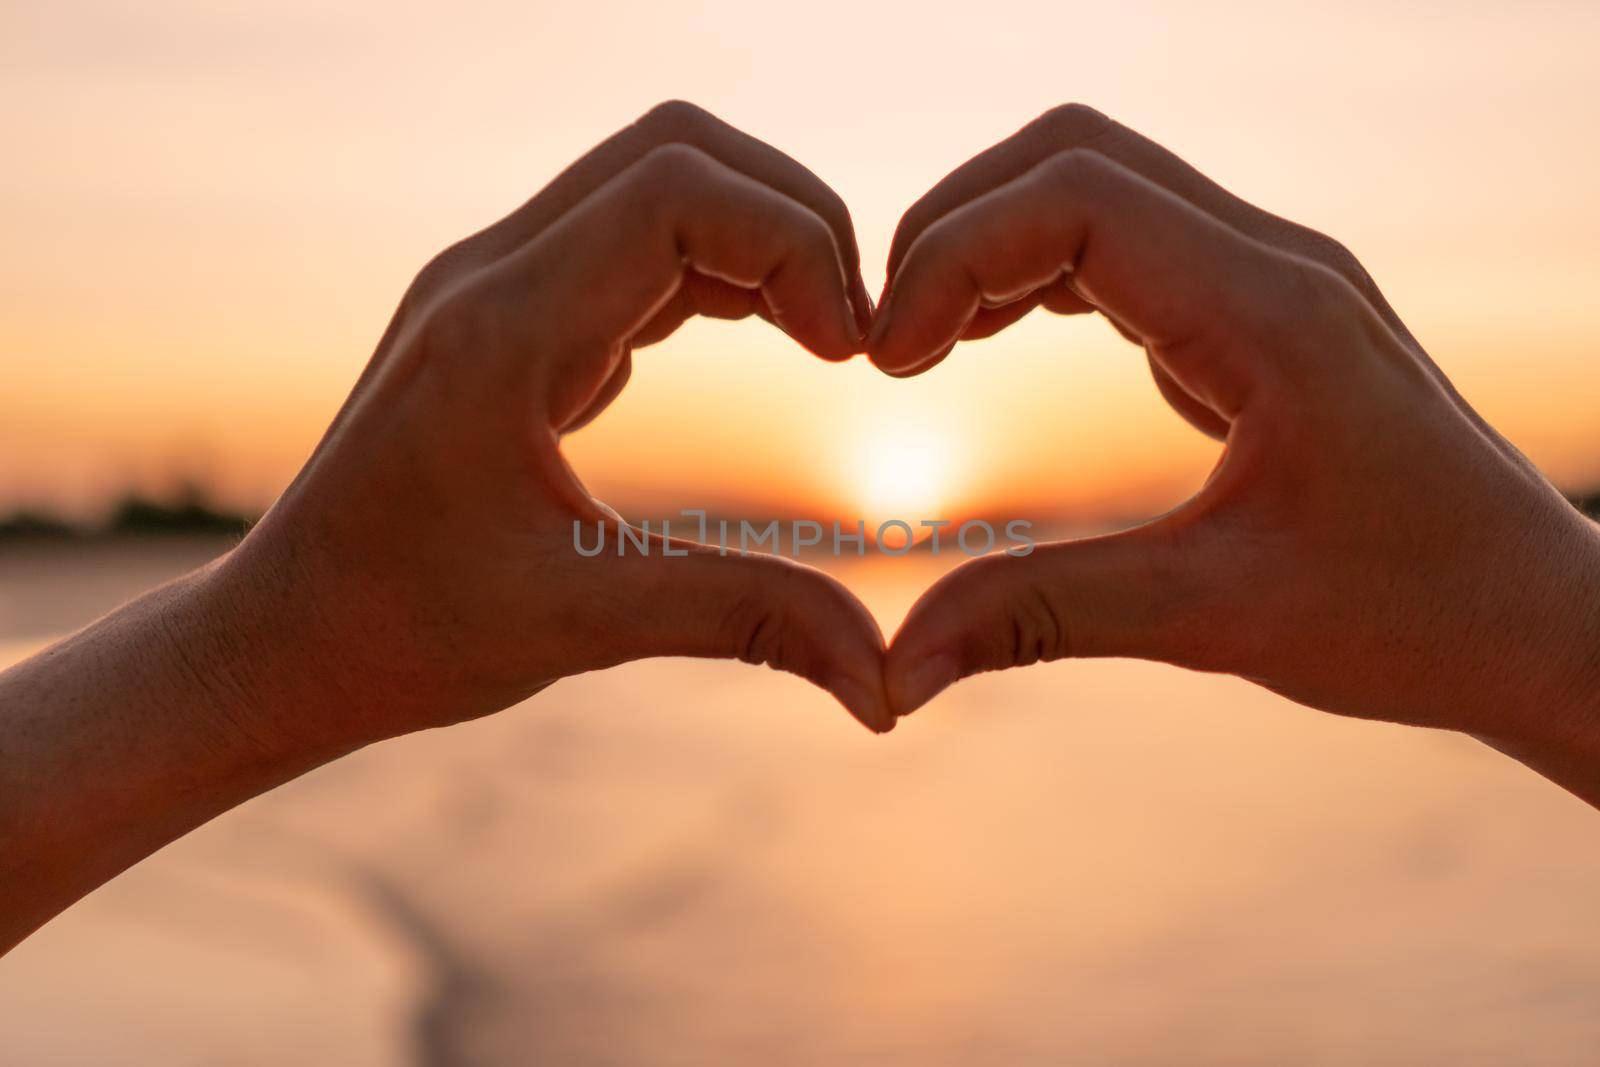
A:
{"points": [[863, 702], [880, 328], [861, 303], [850, 325], [926, 680]]}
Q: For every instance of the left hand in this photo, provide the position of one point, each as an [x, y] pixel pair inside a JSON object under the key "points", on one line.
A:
{"points": [[426, 553], [421, 569], [1367, 544]]}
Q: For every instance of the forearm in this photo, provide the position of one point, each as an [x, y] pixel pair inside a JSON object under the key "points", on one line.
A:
{"points": [[1559, 736], [127, 735]]}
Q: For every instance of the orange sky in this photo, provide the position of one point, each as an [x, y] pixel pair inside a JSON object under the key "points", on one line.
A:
{"points": [[210, 209]]}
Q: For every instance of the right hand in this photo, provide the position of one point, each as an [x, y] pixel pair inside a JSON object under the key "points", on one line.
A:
{"points": [[1367, 544]]}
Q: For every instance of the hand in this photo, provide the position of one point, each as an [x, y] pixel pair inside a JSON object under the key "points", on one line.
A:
{"points": [[1366, 545], [422, 567], [428, 546]]}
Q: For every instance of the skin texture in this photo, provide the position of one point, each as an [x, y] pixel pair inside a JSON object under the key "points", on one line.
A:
{"points": [[420, 570], [1367, 545]]}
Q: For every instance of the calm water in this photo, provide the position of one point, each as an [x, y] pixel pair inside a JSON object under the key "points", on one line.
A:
{"points": [[697, 863]]}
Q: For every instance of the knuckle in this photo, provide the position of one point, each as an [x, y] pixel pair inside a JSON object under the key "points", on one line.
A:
{"points": [[1076, 169], [1322, 292], [1312, 307], [675, 119], [756, 624], [1038, 630], [1072, 124], [456, 324], [1319, 248], [480, 320], [674, 166], [1031, 627], [446, 269]]}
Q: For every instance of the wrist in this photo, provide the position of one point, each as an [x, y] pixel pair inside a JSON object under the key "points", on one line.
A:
{"points": [[239, 636], [130, 733], [1556, 728]]}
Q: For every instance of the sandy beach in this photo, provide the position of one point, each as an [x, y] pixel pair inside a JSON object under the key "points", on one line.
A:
{"points": [[683, 862]]}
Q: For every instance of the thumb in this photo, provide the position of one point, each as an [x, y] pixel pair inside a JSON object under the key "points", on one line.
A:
{"points": [[759, 609], [1119, 595]]}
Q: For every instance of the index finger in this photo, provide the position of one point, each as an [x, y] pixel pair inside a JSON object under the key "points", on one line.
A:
{"points": [[1183, 282], [1074, 126], [679, 122], [576, 294]]}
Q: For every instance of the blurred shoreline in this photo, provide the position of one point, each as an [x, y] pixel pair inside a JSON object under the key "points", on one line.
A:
{"points": [[191, 511], [693, 862]]}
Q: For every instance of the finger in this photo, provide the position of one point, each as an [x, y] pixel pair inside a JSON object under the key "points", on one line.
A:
{"points": [[624, 250], [1063, 301], [1077, 126], [759, 609], [593, 280], [608, 392], [1178, 279], [675, 122], [925, 365], [989, 321], [1192, 410], [1058, 298], [700, 295], [1122, 595], [986, 322]]}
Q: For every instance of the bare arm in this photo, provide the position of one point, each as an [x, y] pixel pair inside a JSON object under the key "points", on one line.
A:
{"points": [[1367, 544], [421, 569]]}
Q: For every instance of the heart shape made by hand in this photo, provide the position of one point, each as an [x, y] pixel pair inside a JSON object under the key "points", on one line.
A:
{"points": [[421, 570], [1259, 332]]}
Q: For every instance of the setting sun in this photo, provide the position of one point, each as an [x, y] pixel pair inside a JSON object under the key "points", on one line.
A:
{"points": [[903, 471], [418, 422]]}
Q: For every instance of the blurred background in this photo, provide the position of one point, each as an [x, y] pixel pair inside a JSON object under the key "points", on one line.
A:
{"points": [[209, 212]]}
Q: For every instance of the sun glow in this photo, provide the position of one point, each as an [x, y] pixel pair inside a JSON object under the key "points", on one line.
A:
{"points": [[903, 471]]}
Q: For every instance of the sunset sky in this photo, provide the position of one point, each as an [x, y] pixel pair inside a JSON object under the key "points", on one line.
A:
{"points": [[210, 209]]}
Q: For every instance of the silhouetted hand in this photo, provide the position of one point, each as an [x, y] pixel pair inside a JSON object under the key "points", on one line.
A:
{"points": [[429, 544], [1366, 545], [422, 567]]}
